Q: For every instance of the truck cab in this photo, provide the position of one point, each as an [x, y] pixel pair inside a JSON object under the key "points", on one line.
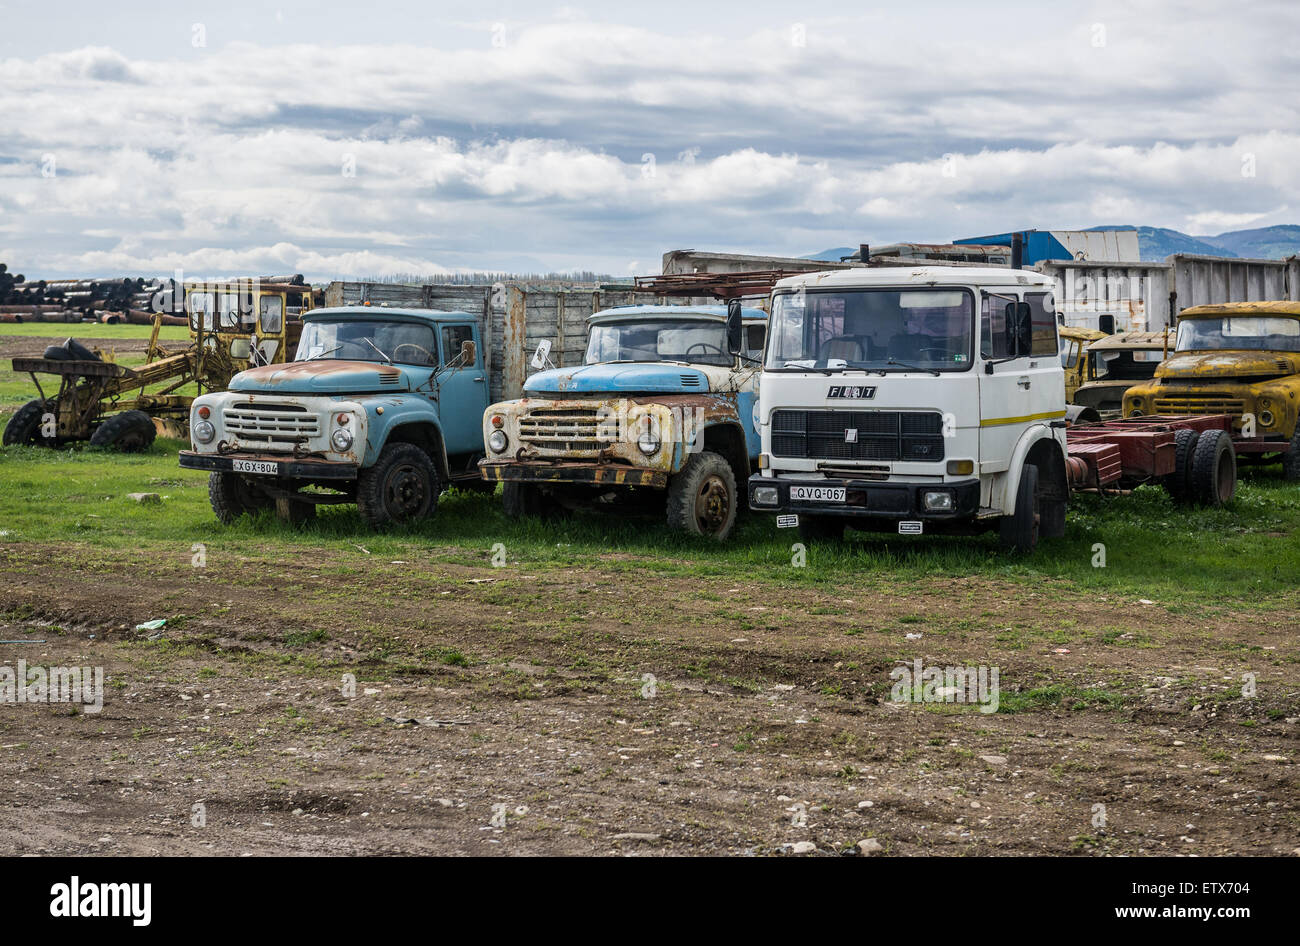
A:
{"points": [[1238, 358], [381, 409], [915, 400], [661, 410]]}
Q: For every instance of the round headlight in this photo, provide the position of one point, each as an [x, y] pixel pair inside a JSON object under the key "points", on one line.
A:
{"points": [[647, 443], [204, 432], [1266, 418], [341, 439], [498, 441]]}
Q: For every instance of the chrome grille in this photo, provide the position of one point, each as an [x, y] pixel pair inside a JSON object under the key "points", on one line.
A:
{"points": [[858, 435], [567, 430], [270, 423]]}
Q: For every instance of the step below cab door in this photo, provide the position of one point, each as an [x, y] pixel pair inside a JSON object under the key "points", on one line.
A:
{"points": [[1024, 387]]}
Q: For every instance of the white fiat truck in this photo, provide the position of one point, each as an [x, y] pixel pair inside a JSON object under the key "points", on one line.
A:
{"points": [[915, 400]]}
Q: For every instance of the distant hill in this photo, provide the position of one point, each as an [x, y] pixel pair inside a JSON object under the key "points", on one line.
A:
{"points": [[1155, 243]]}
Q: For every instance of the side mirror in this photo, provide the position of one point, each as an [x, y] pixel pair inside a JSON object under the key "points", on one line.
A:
{"points": [[735, 327], [1020, 329], [468, 352]]}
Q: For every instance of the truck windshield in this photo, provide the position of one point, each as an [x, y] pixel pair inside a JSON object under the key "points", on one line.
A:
{"points": [[1249, 332], [872, 329], [698, 341], [410, 343]]}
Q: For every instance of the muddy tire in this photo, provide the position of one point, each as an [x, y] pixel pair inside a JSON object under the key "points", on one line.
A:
{"points": [[402, 486], [129, 432], [1290, 461], [1018, 532], [523, 500], [24, 428], [1214, 469], [231, 497], [702, 497], [1178, 484], [820, 529]]}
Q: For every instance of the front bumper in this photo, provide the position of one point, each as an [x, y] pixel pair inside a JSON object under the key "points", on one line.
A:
{"points": [[287, 468], [871, 499], [605, 474]]}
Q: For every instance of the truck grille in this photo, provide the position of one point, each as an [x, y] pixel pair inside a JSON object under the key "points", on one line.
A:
{"points": [[858, 435], [270, 423], [567, 430], [1199, 405]]}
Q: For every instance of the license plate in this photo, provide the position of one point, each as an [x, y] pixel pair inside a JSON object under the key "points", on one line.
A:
{"points": [[817, 494], [255, 466], [910, 527]]}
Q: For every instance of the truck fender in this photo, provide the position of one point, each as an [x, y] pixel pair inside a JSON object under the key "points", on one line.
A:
{"points": [[1040, 445], [727, 439], [423, 430]]}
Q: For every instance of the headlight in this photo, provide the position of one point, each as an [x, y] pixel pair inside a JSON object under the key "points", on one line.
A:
{"points": [[939, 501], [498, 441], [1266, 418], [341, 439], [647, 443], [204, 432], [766, 496]]}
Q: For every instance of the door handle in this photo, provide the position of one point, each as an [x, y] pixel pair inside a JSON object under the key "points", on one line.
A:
{"points": [[478, 379], [1023, 382]]}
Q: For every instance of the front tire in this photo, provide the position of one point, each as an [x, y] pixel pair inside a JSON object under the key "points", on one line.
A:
{"points": [[1018, 532], [1291, 461], [24, 428], [402, 486], [231, 496], [702, 497]]}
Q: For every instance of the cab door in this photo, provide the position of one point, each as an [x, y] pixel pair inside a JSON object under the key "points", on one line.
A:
{"points": [[1023, 390], [462, 392]]}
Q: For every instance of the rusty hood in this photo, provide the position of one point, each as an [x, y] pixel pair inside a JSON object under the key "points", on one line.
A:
{"points": [[620, 378], [1207, 365], [322, 377]]}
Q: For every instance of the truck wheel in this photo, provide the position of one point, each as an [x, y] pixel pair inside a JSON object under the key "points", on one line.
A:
{"points": [[1178, 483], [522, 500], [24, 428], [402, 486], [702, 497], [820, 528], [129, 431], [231, 496], [1214, 468], [1290, 461], [1019, 531]]}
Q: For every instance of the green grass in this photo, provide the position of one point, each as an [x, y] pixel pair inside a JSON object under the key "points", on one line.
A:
{"points": [[1243, 557]]}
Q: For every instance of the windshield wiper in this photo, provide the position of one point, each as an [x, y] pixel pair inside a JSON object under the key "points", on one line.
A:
{"points": [[900, 364], [377, 349], [324, 353]]}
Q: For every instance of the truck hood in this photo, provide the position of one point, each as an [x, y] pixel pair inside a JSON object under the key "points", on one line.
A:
{"points": [[1208, 365], [322, 377], [623, 378]]}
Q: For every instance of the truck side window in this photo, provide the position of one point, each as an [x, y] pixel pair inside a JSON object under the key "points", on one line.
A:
{"points": [[993, 327], [1042, 312], [452, 337], [755, 335]]}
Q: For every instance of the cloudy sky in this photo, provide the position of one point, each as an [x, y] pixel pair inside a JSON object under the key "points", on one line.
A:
{"points": [[367, 138]]}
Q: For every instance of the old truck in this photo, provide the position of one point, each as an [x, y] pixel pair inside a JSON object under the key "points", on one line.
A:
{"points": [[932, 399], [1237, 358], [661, 412], [234, 324], [381, 409], [1110, 364]]}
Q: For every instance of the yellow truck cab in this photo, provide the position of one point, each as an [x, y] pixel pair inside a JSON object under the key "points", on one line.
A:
{"points": [[1113, 364], [1074, 340], [1238, 358]]}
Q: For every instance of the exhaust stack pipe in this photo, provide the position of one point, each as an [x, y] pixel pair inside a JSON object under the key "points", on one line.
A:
{"points": [[1017, 251]]}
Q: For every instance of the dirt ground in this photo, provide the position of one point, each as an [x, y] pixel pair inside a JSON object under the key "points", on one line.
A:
{"points": [[23, 346], [502, 711]]}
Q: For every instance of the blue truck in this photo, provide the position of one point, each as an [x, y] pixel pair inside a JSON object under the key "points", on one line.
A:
{"points": [[660, 412], [381, 408]]}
